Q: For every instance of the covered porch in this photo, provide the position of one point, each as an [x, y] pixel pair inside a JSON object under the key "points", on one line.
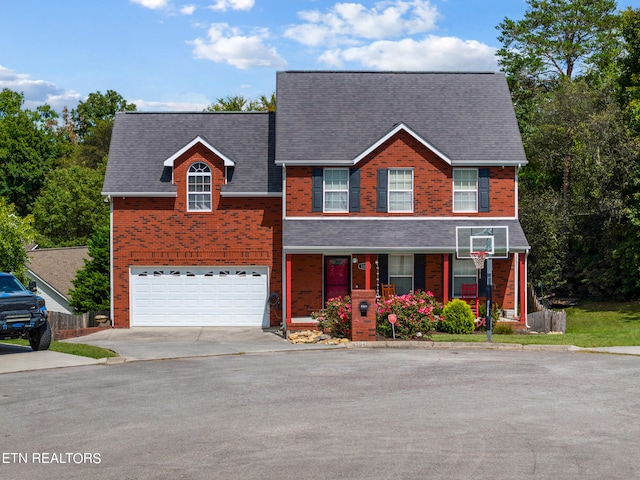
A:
{"points": [[326, 258]]}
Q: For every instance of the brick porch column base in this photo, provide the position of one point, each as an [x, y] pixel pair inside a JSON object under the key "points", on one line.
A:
{"points": [[363, 329]]}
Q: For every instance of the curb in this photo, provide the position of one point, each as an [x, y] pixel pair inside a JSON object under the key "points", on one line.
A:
{"points": [[426, 344]]}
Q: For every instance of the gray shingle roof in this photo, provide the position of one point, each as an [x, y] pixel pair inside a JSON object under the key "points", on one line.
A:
{"points": [[387, 235], [335, 116], [58, 266], [141, 142]]}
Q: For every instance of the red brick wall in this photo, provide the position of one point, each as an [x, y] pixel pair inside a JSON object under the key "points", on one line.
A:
{"points": [[306, 285], [433, 183], [159, 231]]}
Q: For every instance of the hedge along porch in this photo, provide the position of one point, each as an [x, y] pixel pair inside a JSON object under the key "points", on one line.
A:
{"points": [[314, 273]]}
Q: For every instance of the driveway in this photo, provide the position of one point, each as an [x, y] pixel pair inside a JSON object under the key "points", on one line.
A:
{"points": [[150, 343]]}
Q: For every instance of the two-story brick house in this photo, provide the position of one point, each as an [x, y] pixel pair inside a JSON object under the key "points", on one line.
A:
{"points": [[358, 179]]}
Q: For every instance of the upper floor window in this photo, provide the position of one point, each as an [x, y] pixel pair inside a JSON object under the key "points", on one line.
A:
{"points": [[336, 190], [199, 188], [395, 190], [465, 190]]}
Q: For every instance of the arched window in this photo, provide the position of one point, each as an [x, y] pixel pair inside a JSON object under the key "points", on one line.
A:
{"points": [[199, 188]]}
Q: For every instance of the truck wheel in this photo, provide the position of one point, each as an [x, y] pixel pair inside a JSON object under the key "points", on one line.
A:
{"points": [[40, 338]]}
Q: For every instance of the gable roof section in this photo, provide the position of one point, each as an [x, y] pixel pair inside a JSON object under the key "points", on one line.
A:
{"points": [[169, 162], [142, 142], [396, 129], [333, 117]]}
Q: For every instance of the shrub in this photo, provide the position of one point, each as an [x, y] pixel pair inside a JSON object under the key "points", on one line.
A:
{"points": [[458, 317], [481, 321], [336, 317], [503, 329], [417, 313]]}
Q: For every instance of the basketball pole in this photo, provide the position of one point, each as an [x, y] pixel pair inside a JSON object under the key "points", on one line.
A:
{"points": [[489, 293]]}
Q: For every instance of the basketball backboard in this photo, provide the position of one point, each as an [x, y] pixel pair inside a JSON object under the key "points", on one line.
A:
{"points": [[494, 240]]}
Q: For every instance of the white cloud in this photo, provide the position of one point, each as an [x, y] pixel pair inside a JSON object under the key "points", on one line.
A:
{"points": [[346, 23], [188, 9], [38, 92], [227, 44], [391, 35], [233, 5], [152, 4], [431, 53]]}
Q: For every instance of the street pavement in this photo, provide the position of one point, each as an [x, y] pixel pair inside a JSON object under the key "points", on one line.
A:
{"points": [[157, 343], [348, 413]]}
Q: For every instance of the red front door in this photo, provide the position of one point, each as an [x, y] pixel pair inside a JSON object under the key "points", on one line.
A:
{"points": [[337, 277]]}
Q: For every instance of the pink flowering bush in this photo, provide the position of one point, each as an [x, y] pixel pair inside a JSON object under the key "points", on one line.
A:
{"points": [[336, 317], [417, 313]]}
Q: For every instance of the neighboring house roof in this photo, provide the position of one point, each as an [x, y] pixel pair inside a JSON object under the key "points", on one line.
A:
{"points": [[142, 143], [375, 234], [57, 267], [334, 117]]}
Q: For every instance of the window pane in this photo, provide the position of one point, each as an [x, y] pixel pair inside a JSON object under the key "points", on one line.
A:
{"points": [[336, 189], [335, 202], [401, 190], [403, 284], [199, 187]]}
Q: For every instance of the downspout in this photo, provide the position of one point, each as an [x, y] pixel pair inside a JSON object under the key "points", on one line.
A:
{"points": [[285, 278], [111, 286]]}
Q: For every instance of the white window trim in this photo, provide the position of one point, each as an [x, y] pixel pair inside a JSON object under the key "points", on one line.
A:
{"points": [[389, 210], [464, 191], [325, 191], [189, 193]]}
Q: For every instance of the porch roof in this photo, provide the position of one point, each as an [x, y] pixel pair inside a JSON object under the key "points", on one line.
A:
{"points": [[373, 235]]}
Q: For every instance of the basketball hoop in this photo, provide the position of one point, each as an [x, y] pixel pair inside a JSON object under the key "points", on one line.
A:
{"points": [[478, 259]]}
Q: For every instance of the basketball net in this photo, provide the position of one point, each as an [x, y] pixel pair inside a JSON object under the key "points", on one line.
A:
{"points": [[478, 259]]}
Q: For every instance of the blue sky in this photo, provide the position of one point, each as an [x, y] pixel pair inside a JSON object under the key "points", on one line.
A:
{"points": [[184, 54]]}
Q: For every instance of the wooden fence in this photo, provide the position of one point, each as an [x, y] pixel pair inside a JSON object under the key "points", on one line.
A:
{"points": [[65, 325], [542, 319]]}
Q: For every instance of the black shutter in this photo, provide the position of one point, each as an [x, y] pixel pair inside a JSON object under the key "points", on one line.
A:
{"points": [[383, 181], [419, 265], [383, 263], [316, 191], [354, 190], [483, 190]]}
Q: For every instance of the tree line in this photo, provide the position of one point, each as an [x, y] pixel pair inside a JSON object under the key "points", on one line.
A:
{"points": [[574, 73], [573, 67]]}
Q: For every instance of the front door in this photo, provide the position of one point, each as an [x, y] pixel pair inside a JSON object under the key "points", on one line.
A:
{"points": [[337, 277]]}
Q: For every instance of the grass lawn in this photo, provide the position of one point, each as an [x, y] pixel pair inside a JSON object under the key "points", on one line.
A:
{"points": [[72, 348], [593, 324]]}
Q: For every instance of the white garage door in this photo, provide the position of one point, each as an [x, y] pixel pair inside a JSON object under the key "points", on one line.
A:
{"points": [[199, 296]]}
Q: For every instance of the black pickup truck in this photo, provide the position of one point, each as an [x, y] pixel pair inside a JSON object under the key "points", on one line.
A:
{"points": [[23, 314]]}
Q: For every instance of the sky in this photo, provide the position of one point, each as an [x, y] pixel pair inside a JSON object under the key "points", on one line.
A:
{"points": [[183, 55]]}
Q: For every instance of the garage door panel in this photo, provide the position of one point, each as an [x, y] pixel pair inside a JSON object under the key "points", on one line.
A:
{"points": [[199, 296]]}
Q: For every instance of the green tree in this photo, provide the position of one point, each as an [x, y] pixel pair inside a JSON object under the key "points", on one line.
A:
{"points": [[91, 286], [15, 234], [97, 108], [575, 213], [30, 147], [69, 206], [629, 88], [238, 103], [558, 38]]}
